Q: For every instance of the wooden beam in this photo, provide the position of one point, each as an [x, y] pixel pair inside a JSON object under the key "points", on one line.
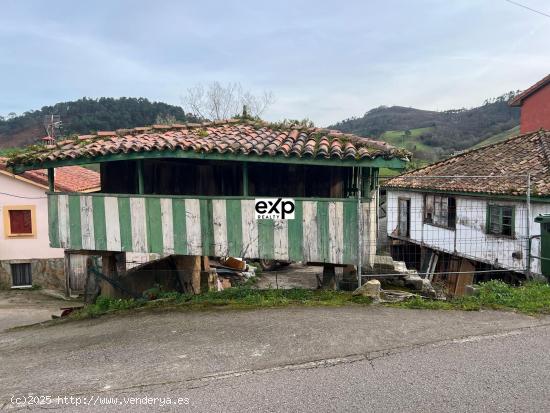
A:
{"points": [[378, 162]]}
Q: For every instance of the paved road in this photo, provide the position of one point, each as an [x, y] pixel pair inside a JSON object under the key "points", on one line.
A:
{"points": [[21, 307], [504, 373], [293, 359]]}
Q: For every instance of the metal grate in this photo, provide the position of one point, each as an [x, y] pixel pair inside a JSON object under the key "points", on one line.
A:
{"points": [[21, 275]]}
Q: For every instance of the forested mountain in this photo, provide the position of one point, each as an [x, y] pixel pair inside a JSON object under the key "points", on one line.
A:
{"points": [[431, 134], [428, 134], [87, 115]]}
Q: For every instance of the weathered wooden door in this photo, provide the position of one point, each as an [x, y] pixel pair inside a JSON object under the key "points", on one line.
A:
{"points": [[78, 272], [404, 213]]}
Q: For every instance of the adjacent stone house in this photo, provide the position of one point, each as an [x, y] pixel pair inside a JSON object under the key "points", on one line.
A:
{"points": [[474, 206]]}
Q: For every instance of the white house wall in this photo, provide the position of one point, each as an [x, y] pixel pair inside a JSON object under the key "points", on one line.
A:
{"points": [[25, 248], [469, 238]]}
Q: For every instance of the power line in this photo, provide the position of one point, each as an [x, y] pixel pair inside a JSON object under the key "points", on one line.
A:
{"points": [[23, 197], [528, 8]]}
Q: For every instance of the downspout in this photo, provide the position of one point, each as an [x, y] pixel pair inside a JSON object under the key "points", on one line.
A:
{"points": [[359, 181], [528, 230]]}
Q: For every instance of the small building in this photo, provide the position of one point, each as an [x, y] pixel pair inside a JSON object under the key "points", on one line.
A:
{"points": [[26, 257], [473, 212], [535, 106], [192, 189]]}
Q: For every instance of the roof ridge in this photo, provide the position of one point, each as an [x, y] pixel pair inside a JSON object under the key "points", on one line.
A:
{"points": [[331, 133], [518, 100], [472, 150]]}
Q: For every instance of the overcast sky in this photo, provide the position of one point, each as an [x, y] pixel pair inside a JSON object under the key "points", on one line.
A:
{"points": [[324, 60]]}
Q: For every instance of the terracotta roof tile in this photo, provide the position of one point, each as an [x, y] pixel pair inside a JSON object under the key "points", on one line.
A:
{"points": [[507, 164], [67, 178], [246, 138]]}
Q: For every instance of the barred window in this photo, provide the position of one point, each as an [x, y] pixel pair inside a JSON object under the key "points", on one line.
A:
{"points": [[500, 220], [440, 210]]}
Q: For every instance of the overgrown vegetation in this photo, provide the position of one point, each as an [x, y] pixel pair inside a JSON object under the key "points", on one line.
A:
{"points": [[232, 298], [531, 298]]}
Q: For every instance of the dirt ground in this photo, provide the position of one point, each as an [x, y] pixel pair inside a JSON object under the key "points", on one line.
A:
{"points": [[22, 307]]}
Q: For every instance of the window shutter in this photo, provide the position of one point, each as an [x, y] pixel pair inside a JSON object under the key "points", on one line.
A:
{"points": [[20, 221]]}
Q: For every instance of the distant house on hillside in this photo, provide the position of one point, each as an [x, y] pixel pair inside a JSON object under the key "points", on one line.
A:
{"points": [[535, 106], [469, 213], [26, 257]]}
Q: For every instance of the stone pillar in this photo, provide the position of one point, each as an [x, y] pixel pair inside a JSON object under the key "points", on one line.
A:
{"points": [[329, 277]]}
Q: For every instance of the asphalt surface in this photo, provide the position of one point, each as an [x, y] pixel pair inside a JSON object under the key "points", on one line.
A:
{"points": [[21, 307], [292, 359]]}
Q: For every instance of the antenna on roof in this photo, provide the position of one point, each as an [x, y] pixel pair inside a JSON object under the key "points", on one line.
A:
{"points": [[52, 124]]}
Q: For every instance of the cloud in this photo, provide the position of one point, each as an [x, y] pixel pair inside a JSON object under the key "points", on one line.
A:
{"points": [[323, 60]]}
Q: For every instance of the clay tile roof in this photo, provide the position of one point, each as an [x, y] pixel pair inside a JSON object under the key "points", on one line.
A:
{"points": [[518, 100], [232, 137], [507, 164], [67, 178]]}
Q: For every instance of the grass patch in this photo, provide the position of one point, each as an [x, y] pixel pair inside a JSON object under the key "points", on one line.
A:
{"points": [[499, 137], [232, 298], [530, 298], [410, 142]]}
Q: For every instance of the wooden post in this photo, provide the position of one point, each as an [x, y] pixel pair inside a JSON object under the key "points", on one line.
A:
{"points": [[245, 178], [113, 264], [141, 182], [108, 268], [51, 179], [67, 268], [189, 272]]}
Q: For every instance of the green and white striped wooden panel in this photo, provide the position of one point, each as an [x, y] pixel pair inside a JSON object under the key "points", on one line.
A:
{"points": [[322, 231]]}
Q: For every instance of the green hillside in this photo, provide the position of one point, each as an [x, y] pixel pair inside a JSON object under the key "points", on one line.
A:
{"points": [[411, 139], [429, 134], [499, 137]]}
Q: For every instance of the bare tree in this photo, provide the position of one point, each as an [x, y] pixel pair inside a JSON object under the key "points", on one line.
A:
{"points": [[165, 119], [217, 101]]}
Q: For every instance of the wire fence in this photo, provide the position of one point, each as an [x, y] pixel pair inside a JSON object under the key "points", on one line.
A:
{"points": [[477, 225], [452, 229]]}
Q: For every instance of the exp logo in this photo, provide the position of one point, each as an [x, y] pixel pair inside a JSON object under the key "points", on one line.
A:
{"points": [[274, 208]]}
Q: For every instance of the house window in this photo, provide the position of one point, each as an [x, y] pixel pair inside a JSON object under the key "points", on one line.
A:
{"points": [[21, 275], [19, 221], [440, 210], [500, 220]]}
